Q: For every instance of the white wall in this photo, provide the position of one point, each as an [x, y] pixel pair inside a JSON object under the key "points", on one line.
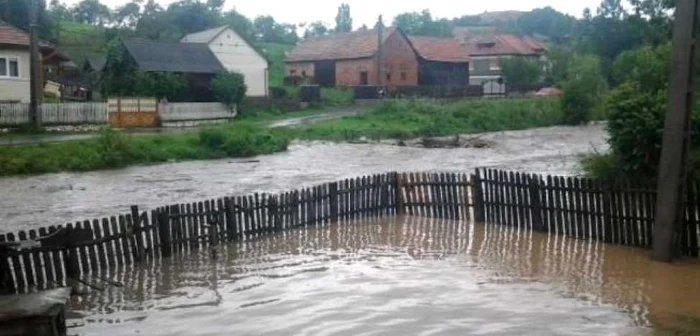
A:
{"points": [[235, 54], [16, 89]]}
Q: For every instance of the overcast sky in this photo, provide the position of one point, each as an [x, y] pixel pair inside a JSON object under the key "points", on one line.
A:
{"points": [[366, 11]]}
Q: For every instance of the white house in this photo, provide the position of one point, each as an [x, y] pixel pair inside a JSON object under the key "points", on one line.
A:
{"points": [[235, 54]]}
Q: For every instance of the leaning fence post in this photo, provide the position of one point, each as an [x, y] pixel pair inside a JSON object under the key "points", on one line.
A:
{"points": [[536, 203], [71, 262], [478, 197], [137, 242], [398, 190], [166, 248]]}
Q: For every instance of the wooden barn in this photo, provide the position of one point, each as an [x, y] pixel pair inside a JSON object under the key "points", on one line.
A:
{"points": [[442, 61]]}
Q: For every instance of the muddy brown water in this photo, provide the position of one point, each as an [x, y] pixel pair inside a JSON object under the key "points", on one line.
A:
{"points": [[399, 276], [53, 199]]}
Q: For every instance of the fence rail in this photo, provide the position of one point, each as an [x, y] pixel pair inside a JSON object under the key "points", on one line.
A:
{"points": [[55, 114], [170, 112], [88, 251]]}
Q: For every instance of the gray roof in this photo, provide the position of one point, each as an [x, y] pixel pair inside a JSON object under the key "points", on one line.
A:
{"points": [[203, 36], [173, 57]]}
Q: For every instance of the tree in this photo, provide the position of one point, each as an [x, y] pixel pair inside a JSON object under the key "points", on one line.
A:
{"points": [[16, 13], [548, 22], [316, 28], [190, 16], [422, 24], [343, 21], [128, 15], [519, 71], [241, 24], [584, 86], [92, 12], [229, 88], [611, 9], [268, 30]]}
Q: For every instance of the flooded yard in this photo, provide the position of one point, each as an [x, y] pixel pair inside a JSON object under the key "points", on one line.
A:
{"points": [[52, 199], [400, 276]]}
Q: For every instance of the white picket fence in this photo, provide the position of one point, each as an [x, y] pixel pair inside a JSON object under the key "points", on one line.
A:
{"points": [[170, 112], [98, 113], [55, 114]]}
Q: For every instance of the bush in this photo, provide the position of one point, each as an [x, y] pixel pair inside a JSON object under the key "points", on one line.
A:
{"points": [[229, 88], [336, 97], [114, 147], [583, 89], [519, 71], [278, 92]]}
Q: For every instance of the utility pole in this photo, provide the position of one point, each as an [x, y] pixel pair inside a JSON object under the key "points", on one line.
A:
{"points": [[35, 82], [670, 205], [380, 45]]}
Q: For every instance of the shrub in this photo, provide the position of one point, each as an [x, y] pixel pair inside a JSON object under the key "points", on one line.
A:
{"points": [[114, 147], [229, 88], [519, 71], [583, 88], [278, 92]]}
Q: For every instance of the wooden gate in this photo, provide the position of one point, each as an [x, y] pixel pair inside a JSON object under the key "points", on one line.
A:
{"points": [[133, 112]]}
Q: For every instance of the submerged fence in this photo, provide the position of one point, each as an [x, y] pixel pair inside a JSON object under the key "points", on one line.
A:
{"points": [[84, 252]]}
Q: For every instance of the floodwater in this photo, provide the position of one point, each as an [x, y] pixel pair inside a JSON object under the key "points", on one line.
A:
{"points": [[400, 276], [52, 199]]}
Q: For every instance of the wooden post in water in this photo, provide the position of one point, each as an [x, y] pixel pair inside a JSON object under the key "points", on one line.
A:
{"points": [[137, 241], [166, 248], [674, 154], [333, 200], [398, 189], [478, 195]]}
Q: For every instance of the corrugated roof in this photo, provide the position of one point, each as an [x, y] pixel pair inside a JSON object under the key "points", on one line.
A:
{"points": [[203, 36], [503, 44], [173, 57], [440, 49], [359, 44]]}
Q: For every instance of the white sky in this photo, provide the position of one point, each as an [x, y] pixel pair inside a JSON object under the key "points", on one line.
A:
{"points": [[367, 11]]}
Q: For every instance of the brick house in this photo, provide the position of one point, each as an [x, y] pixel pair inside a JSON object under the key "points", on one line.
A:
{"points": [[352, 59]]}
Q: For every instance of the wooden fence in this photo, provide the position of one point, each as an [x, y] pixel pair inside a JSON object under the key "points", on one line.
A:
{"points": [[579, 208], [86, 252], [184, 114], [55, 114]]}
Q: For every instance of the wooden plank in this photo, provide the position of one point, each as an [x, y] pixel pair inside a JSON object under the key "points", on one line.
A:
{"points": [[578, 199], [101, 247], [164, 233], [615, 206], [557, 206], [434, 183], [27, 261], [607, 214], [82, 252], [7, 282], [454, 180], [502, 213], [408, 189], [114, 231], [511, 211], [125, 233], [17, 267], [37, 263], [47, 260], [108, 245], [72, 264], [586, 208]]}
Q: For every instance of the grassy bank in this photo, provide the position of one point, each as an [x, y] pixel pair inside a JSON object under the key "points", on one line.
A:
{"points": [[113, 149], [402, 119]]}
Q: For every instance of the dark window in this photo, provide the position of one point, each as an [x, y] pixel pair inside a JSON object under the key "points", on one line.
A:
{"points": [[303, 73], [403, 76], [3, 66], [14, 68], [292, 72], [364, 78], [388, 77]]}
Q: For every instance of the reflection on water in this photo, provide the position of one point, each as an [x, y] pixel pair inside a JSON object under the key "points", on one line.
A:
{"points": [[399, 276]]}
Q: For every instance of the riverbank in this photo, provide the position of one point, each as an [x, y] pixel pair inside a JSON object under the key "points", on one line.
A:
{"points": [[393, 119]]}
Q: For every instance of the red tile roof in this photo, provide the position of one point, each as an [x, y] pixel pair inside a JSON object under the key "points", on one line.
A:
{"points": [[359, 44], [503, 44], [14, 36], [440, 49]]}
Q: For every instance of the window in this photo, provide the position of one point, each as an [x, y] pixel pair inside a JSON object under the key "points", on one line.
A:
{"points": [[303, 73], [471, 66], [9, 67], [494, 65], [364, 78], [388, 78], [292, 72], [403, 76]]}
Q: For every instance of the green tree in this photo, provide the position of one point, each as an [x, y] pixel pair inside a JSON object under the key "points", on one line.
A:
{"points": [[241, 24], [268, 30], [92, 12], [520, 71], [548, 22], [648, 67], [343, 21], [229, 88], [423, 24], [16, 13], [128, 15], [584, 86], [316, 28]]}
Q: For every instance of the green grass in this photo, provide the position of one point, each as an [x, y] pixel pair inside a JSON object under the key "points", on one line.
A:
{"points": [[113, 149], [403, 119]]}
